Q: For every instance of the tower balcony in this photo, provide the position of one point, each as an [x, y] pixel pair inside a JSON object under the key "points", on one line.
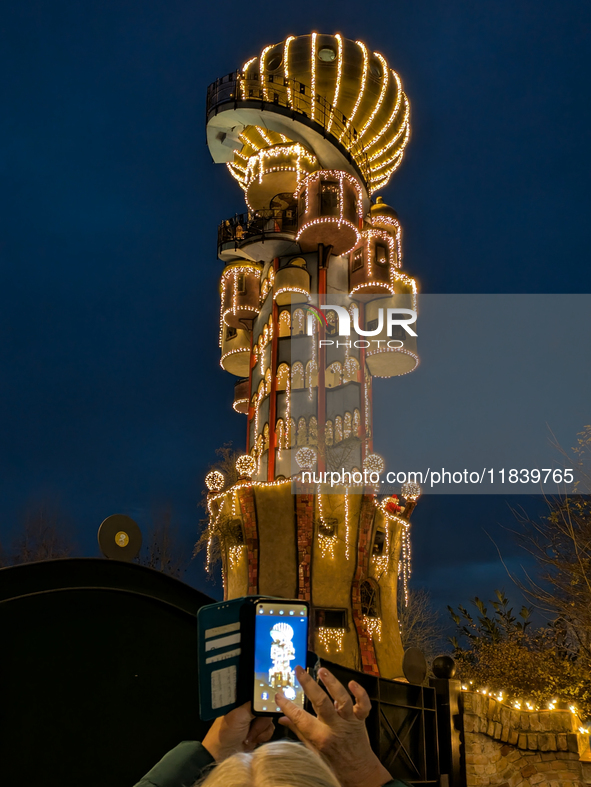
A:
{"points": [[263, 235], [238, 100]]}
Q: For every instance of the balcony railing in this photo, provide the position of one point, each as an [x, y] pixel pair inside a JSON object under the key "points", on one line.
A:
{"points": [[264, 223], [292, 95]]}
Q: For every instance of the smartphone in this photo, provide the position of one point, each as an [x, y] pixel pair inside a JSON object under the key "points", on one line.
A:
{"points": [[280, 643]]}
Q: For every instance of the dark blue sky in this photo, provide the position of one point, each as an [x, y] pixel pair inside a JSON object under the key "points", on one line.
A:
{"points": [[112, 396]]}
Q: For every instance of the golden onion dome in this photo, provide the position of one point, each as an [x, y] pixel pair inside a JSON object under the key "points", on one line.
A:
{"points": [[381, 210], [350, 91]]}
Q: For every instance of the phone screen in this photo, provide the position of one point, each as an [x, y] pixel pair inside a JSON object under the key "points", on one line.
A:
{"points": [[281, 643]]}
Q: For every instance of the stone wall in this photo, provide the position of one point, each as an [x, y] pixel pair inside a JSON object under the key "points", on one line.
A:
{"points": [[504, 747]]}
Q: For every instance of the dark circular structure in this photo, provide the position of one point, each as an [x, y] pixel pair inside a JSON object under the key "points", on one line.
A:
{"points": [[444, 667], [414, 666], [98, 671], [120, 538]]}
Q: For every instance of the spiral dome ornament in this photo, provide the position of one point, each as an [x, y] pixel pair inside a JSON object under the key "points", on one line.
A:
{"points": [[339, 85]]}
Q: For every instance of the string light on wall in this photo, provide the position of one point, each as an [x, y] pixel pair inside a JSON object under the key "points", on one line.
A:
{"points": [[235, 554], [373, 626], [400, 96], [326, 542], [382, 562], [349, 123], [313, 69], [339, 75], [396, 350], [245, 68], [347, 526], [330, 637], [238, 403], [380, 98], [288, 41], [232, 352], [395, 224], [262, 71], [406, 559]]}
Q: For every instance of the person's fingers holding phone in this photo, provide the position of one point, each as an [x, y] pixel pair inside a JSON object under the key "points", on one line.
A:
{"points": [[261, 730], [338, 732], [238, 730]]}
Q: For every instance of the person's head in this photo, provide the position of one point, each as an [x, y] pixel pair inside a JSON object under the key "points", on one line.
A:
{"points": [[277, 764]]}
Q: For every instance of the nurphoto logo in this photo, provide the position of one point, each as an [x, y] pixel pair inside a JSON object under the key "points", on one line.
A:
{"points": [[348, 320]]}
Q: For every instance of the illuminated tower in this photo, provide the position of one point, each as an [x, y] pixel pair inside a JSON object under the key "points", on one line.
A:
{"points": [[311, 128]]}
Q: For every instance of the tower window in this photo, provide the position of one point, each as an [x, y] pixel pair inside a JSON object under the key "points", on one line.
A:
{"points": [[378, 543], [230, 333], [327, 527], [381, 254], [241, 284], [398, 332], [370, 599], [275, 62], [330, 618], [236, 534], [357, 260], [327, 54], [329, 199]]}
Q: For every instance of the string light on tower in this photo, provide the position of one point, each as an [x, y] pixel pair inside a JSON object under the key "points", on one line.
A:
{"points": [[329, 637], [215, 481], [306, 457], [374, 463], [246, 466]]}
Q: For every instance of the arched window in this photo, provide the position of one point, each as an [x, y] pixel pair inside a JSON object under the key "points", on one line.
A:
{"points": [[350, 370], [284, 323], [370, 598], [313, 431], [329, 433], [279, 431], [259, 445], [332, 320], [338, 429], [297, 376], [347, 425], [291, 436], [333, 375], [265, 288], [302, 432], [311, 371], [282, 376], [298, 324], [356, 422]]}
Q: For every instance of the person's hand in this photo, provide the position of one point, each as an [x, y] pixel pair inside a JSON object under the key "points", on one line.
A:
{"points": [[338, 731], [237, 731]]}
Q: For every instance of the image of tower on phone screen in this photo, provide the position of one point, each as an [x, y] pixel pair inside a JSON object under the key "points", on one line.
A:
{"points": [[281, 634]]}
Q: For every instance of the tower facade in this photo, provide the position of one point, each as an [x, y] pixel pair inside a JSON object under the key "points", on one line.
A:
{"points": [[311, 128]]}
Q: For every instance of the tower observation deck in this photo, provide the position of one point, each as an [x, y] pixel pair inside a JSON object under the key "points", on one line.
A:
{"points": [[310, 129]]}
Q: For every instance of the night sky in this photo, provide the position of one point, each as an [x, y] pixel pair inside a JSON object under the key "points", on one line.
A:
{"points": [[112, 396]]}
